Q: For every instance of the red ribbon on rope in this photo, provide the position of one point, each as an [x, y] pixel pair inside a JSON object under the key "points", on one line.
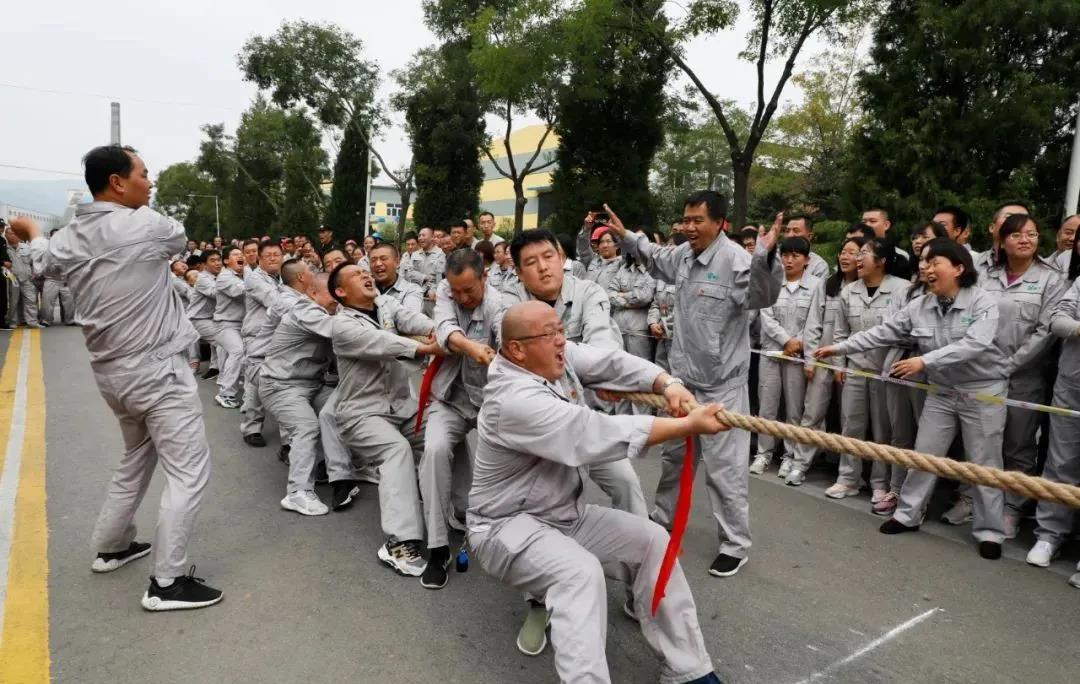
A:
{"points": [[678, 525], [425, 389]]}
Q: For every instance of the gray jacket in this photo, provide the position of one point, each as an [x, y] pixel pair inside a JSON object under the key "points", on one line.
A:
{"points": [[255, 347], [182, 289], [261, 290], [601, 272], [821, 323], [202, 299], [631, 292], [715, 290], [958, 347], [22, 261], [409, 295], [859, 311], [662, 308], [372, 379], [299, 350], [117, 259], [787, 318], [1024, 311], [500, 279], [817, 266], [229, 303], [478, 325], [583, 308], [1065, 323], [427, 268], [534, 436]]}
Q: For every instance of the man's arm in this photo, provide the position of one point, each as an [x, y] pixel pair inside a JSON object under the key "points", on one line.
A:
{"points": [[231, 287], [597, 328], [353, 340], [263, 292]]}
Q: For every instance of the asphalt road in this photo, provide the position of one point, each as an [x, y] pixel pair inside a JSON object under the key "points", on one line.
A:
{"points": [[825, 597]]}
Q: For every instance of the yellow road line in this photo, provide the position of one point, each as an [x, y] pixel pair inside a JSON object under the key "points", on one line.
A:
{"points": [[24, 644], [8, 377]]}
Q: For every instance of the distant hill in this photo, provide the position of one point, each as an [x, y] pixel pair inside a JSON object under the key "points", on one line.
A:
{"points": [[48, 196]]}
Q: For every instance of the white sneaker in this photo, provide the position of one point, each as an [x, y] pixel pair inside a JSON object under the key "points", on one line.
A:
{"points": [[963, 511], [878, 495], [785, 468], [1041, 554], [839, 491], [305, 503], [759, 465], [403, 556], [226, 402], [795, 477], [1074, 580]]}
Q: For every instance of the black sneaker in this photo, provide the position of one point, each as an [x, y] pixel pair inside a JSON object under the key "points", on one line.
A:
{"points": [[255, 439], [726, 566], [211, 373], [321, 476], [990, 550], [344, 491], [283, 454], [107, 562], [894, 526], [184, 593], [435, 575]]}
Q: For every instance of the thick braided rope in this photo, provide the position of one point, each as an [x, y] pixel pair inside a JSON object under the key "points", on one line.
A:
{"points": [[1013, 481]]}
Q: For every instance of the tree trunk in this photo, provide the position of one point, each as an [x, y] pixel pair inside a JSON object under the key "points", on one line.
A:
{"points": [[519, 207], [740, 169]]}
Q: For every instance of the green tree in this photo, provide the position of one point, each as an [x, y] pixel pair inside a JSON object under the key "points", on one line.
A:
{"points": [[348, 209], [970, 102], [173, 196], [610, 113], [445, 122]]}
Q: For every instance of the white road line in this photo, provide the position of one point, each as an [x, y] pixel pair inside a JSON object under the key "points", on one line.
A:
{"points": [[9, 481], [876, 643]]}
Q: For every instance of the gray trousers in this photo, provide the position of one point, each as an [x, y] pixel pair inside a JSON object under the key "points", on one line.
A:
{"points": [[231, 344], [981, 425], [446, 429], [776, 380], [815, 410], [208, 331], [252, 408], [663, 352], [863, 411], [161, 422], [727, 474], [1055, 521], [569, 566], [295, 406], [619, 481], [905, 405], [51, 291], [339, 462], [391, 444], [1020, 448], [28, 303]]}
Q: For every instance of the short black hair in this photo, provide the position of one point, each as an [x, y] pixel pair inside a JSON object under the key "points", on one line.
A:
{"points": [[802, 217], [961, 219], [531, 237], [485, 249], [1013, 203], [883, 211], [957, 254], [265, 244], [716, 205], [860, 228], [798, 245], [209, 253], [464, 258], [102, 162], [746, 234], [195, 260], [569, 246], [409, 236], [486, 213], [385, 245], [934, 227], [332, 281], [290, 269], [228, 252], [250, 241], [457, 224]]}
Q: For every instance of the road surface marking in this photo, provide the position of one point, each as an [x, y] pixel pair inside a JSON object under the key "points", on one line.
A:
{"points": [[24, 561], [872, 645]]}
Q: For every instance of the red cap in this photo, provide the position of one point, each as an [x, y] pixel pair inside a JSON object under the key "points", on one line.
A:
{"points": [[599, 232]]}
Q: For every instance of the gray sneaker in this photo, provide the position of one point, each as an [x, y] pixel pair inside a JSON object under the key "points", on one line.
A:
{"points": [[795, 477], [785, 468], [1074, 581], [532, 637], [403, 556], [963, 511], [760, 464]]}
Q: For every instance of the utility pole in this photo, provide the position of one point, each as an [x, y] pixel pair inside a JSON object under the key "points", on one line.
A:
{"points": [[217, 213], [367, 193], [1072, 186], [114, 128]]}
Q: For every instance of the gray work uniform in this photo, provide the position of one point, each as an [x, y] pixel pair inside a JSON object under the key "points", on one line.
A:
{"points": [[375, 409], [339, 462], [905, 404], [817, 266], [427, 270], [457, 391], [291, 384], [229, 310], [630, 292], [530, 528], [820, 329], [710, 352], [785, 320], [55, 290], [200, 310], [575, 268], [184, 290], [584, 309], [662, 312], [1055, 521], [601, 271], [261, 292], [1024, 336], [23, 270], [959, 350], [501, 279], [864, 409], [135, 329]]}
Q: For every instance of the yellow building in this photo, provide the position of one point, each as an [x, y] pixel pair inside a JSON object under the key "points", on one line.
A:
{"points": [[497, 191]]}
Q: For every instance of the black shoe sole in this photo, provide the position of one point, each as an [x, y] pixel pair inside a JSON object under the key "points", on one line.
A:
{"points": [[121, 562], [728, 573], [348, 502], [257, 443]]}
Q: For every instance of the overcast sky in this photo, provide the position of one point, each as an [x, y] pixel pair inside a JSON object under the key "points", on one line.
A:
{"points": [[174, 70]]}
